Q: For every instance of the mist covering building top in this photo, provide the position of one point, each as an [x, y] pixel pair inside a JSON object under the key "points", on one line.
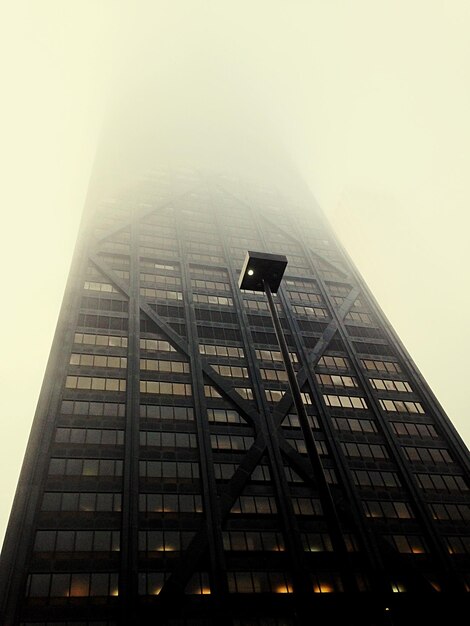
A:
{"points": [[167, 481]]}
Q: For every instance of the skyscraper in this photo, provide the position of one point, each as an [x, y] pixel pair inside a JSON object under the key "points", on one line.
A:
{"points": [[167, 480]]}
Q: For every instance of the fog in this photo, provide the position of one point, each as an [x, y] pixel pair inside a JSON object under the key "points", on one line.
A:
{"points": [[365, 102]]}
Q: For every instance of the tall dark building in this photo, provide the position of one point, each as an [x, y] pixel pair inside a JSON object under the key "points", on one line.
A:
{"points": [[167, 480]]}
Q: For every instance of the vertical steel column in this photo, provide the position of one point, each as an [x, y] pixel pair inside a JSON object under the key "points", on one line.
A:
{"points": [[335, 526], [128, 583]]}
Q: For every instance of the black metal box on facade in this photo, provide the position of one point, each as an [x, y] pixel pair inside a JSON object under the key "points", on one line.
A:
{"points": [[259, 267]]}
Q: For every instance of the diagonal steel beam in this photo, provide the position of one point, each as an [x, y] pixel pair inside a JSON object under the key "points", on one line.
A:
{"points": [[332, 264], [145, 212], [187, 564], [218, 381], [313, 356], [232, 490]]}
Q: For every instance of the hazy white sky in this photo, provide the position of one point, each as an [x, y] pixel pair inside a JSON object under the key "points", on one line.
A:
{"points": [[369, 100]]}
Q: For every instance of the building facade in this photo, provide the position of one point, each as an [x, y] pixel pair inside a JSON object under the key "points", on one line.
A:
{"points": [[166, 479]]}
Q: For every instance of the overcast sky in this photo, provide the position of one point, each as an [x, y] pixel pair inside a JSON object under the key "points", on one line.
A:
{"points": [[368, 100]]}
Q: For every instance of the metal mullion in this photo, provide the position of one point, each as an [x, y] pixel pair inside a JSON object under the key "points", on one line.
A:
{"points": [[396, 453], [130, 509]]}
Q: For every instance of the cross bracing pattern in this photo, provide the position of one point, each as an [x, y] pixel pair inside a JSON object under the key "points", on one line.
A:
{"points": [[169, 469]]}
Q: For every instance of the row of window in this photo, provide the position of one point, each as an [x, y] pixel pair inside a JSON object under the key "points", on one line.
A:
{"points": [[382, 384], [202, 298], [225, 471], [258, 582], [158, 266], [442, 482], [160, 253], [381, 366], [345, 402], [158, 365], [458, 545], [161, 294], [168, 469], [177, 413], [103, 322], [364, 450], [210, 259], [98, 360], [88, 436], [173, 281], [355, 316], [232, 371], [333, 362], [227, 351], [111, 341], [307, 506], [210, 273], [336, 380], [224, 416], [354, 425], [264, 505], [300, 284], [72, 585], [95, 384], [274, 355], [428, 455], [231, 442], [457, 512], [83, 501], [165, 388], [292, 421], [306, 297], [164, 540], [399, 406], [407, 544], [299, 445], [156, 345], [310, 311], [270, 374], [77, 541], [170, 503], [388, 509], [104, 304], [168, 439], [209, 284], [85, 467], [162, 242], [99, 286], [373, 478], [258, 305], [245, 540], [414, 430]]}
